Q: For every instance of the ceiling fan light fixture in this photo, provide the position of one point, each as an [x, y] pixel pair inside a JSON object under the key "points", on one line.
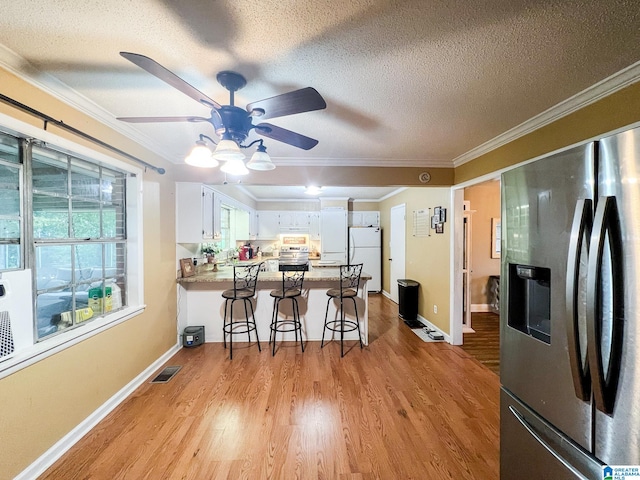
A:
{"points": [[228, 150], [201, 156], [261, 160], [234, 167]]}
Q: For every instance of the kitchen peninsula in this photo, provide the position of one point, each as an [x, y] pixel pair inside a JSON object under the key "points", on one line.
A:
{"points": [[200, 302]]}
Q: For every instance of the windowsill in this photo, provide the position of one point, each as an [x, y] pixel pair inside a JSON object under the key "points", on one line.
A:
{"points": [[47, 348]]}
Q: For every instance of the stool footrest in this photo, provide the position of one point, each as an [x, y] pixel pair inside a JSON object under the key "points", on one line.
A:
{"points": [[337, 325]]}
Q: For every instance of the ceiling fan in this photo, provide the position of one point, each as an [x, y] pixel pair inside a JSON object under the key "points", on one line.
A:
{"points": [[231, 122]]}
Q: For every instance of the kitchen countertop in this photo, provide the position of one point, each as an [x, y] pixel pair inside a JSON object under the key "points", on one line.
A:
{"points": [[225, 274]]}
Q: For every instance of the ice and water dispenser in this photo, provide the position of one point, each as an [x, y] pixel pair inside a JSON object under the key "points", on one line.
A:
{"points": [[530, 300]]}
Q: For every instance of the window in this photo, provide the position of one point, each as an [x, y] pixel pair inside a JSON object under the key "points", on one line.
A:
{"points": [[10, 204], [70, 243], [79, 240]]}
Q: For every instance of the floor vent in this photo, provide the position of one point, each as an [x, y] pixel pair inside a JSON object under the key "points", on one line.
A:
{"points": [[167, 374]]}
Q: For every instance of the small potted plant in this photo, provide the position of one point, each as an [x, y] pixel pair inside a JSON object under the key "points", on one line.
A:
{"points": [[210, 250]]}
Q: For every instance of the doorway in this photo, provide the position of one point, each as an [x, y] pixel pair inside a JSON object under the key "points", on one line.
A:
{"points": [[477, 208], [397, 249]]}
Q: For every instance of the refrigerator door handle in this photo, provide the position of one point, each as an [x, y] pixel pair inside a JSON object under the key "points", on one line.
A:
{"points": [[606, 227], [547, 444], [580, 231]]}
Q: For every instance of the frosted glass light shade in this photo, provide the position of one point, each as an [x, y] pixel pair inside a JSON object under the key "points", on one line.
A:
{"points": [[200, 156], [260, 161], [228, 150], [234, 167]]}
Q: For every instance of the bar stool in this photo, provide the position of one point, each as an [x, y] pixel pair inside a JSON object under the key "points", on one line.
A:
{"points": [[348, 288], [245, 279], [291, 288]]}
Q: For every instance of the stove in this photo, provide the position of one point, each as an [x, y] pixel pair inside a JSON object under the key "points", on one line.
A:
{"points": [[294, 258]]}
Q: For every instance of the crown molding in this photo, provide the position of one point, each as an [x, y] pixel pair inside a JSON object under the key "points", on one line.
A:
{"points": [[604, 88], [21, 68], [360, 162]]}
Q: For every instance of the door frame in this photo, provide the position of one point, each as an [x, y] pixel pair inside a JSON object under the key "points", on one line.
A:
{"points": [[457, 245]]}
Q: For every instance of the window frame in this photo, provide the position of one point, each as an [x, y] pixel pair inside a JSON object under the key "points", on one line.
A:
{"points": [[53, 344]]}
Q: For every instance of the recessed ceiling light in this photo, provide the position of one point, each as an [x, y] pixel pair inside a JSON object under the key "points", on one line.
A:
{"points": [[313, 190]]}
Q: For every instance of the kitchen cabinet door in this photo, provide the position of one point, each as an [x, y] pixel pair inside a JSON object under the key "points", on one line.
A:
{"points": [[194, 213], [268, 225], [294, 221], [364, 219], [314, 226]]}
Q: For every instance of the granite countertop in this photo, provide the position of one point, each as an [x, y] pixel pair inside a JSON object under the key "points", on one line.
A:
{"points": [[225, 274]]}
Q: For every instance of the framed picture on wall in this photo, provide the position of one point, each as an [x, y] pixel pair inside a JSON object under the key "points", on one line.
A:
{"points": [[443, 215], [496, 235], [434, 221], [440, 228]]}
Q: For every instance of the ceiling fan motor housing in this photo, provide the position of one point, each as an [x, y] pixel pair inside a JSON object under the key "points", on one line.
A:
{"points": [[235, 121]]}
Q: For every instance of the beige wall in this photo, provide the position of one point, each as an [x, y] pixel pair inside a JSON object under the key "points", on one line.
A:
{"points": [[610, 113], [485, 203], [427, 258], [43, 402]]}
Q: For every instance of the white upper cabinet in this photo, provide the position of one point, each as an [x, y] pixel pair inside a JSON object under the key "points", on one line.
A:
{"points": [[314, 225], [364, 219], [195, 211], [294, 221], [268, 223]]}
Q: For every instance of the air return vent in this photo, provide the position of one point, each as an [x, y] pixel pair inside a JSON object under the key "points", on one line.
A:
{"points": [[167, 374]]}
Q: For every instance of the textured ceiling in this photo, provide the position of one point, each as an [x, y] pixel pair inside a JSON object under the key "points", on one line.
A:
{"points": [[406, 82]]}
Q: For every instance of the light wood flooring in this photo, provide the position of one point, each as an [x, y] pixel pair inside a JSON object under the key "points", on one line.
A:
{"points": [[484, 343], [399, 409]]}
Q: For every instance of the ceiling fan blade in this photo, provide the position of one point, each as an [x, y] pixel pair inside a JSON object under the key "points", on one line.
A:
{"points": [[154, 68], [304, 100], [285, 136], [161, 119]]}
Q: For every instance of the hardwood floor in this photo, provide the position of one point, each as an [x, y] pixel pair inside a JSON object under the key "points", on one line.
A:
{"points": [[399, 409], [484, 344]]}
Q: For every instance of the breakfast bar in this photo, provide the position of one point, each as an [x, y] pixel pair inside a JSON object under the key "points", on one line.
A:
{"points": [[200, 302]]}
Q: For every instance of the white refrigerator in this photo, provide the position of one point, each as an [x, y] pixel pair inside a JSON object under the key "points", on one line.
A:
{"points": [[365, 246]]}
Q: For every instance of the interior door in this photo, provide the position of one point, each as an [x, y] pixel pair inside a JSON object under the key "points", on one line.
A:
{"points": [[397, 249]]}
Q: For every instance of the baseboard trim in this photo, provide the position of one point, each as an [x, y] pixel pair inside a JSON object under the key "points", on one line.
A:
{"points": [[388, 295], [480, 307], [49, 457]]}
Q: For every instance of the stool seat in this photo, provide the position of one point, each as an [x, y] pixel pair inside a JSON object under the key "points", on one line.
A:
{"points": [[245, 279], [285, 294], [348, 293], [291, 289], [237, 294], [348, 288]]}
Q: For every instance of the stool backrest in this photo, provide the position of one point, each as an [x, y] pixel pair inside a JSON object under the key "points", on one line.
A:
{"points": [[350, 276], [246, 277], [292, 280]]}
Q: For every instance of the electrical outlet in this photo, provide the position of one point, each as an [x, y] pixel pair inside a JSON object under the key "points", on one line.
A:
{"points": [[435, 309]]}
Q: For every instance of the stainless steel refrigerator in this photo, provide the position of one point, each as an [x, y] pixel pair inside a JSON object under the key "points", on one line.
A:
{"points": [[570, 306]]}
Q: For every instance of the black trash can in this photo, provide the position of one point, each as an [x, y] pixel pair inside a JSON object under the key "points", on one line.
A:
{"points": [[408, 301]]}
